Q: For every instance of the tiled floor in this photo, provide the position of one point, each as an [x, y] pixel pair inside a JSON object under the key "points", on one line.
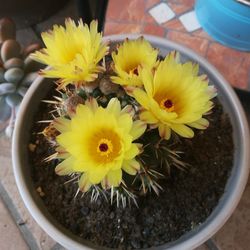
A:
{"points": [[164, 18], [130, 16]]}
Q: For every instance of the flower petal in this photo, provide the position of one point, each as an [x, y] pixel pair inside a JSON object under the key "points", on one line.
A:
{"points": [[84, 183], [164, 131], [97, 174], [131, 166], [65, 167], [148, 117], [62, 124], [183, 130], [114, 177], [138, 129], [132, 152], [114, 106], [141, 97], [200, 124]]}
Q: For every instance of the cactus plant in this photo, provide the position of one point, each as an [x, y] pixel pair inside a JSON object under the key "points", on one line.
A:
{"points": [[17, 72]]}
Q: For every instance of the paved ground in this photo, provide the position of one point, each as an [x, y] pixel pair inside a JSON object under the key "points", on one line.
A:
{"points": [[17, 229]]}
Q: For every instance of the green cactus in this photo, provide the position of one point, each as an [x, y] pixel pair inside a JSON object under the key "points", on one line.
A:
{"points": [[17, 72]]}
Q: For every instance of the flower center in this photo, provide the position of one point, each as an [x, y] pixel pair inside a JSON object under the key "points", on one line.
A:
{"points": [[167, 105], [135, 71], [105, 147]]}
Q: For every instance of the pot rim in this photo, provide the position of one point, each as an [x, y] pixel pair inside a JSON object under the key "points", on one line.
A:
{"points": [[190, 240]]}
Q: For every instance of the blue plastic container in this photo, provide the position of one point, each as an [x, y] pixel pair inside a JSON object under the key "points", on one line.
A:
{"points": [[227, 21]]}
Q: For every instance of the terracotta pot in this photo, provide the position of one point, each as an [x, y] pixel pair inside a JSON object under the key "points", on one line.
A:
{"points": [[233, 190]]}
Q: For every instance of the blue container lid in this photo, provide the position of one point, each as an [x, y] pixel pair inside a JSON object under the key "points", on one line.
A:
{"points": [[227, 21]]}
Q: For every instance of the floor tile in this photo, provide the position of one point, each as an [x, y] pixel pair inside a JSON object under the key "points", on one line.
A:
{"points": [[230, 64], [161, 13], [153, 30], [174, 24], [202, 33], [10, 236], [190, 22], [121, 28], [235, 234], [181, 6], [125, 10], [198, 44], [151, 3]]}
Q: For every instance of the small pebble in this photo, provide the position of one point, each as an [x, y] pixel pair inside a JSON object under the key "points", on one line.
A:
{"points": [[9, 130], [30, 65], [22, 91], [10, 48], [31, 48], [32, 147], [13, 100], [107, 87], [7, 88], [85, 211], [14, 62], [5, 110], [112, 215], [1, 75], [14, 75], [135, 244], [40, 192], [29, 79], [145, 232], [7, 29]]}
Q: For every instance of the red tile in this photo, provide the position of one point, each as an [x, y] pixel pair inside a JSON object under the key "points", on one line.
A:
{"points": [[181, 6], [202, 33], [119, 28], [198, 44], [174, 24], [151, 3], [153, 30], [126, 10], [149, 19], [234, 65]]}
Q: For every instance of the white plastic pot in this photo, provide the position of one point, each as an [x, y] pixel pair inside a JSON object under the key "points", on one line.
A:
{"points": [[235, 184]]}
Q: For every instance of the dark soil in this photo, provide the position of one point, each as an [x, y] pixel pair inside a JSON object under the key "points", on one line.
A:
{"points": [[188, 198]]}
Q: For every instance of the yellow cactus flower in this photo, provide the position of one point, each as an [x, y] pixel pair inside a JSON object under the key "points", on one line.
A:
{"points": [[130, 57], [72, 53], [98, 143], [175, 97]]}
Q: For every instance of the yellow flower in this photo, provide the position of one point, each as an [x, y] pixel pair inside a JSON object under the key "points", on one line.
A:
{"points": [[98, 142], [72, 53], [175, 98], [131, 56]]}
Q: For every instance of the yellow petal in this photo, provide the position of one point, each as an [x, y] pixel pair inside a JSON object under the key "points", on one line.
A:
{"points": [[62, 153], [183, 130], [65, 167], [138, 129], [125, 122], [61, 124], [164, 131], [200, 124], [92, 104], [114, 177], [147, 79], [129, 110], [84, 183], [114, 106], [148, 117], [132, 152], [97, 174], [131, 166], [141, 97]]}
